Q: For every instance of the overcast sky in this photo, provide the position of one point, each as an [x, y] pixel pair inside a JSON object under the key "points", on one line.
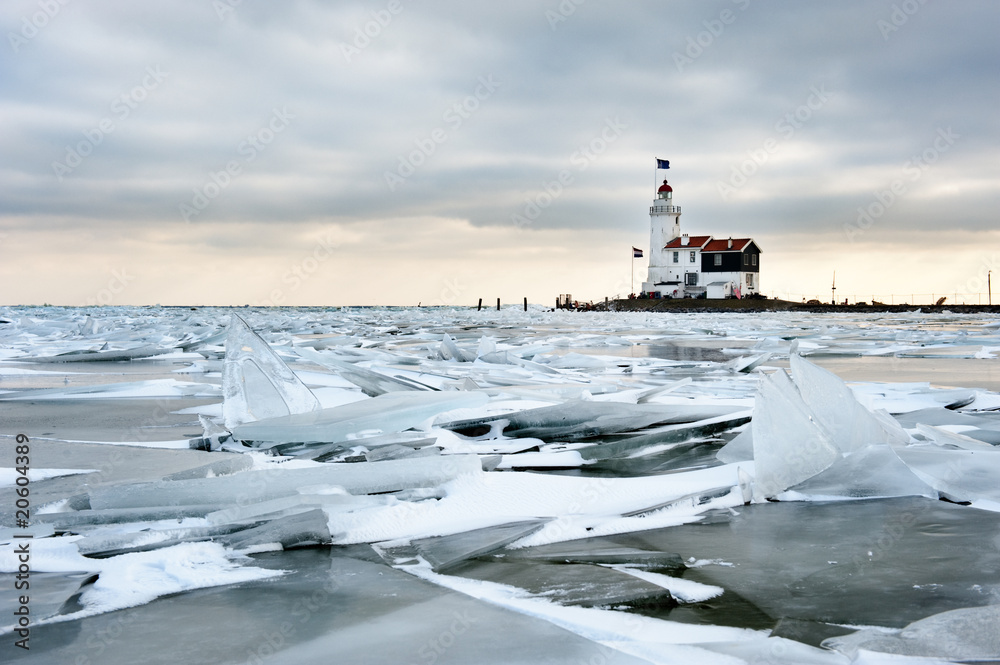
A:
{"points": [[405, 151]]}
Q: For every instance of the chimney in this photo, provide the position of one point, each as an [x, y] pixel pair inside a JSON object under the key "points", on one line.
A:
{"points": [[685, 239], [730, 242]]}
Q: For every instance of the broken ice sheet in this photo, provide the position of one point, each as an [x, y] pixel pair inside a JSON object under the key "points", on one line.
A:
{"points": [[960, 475], [444, 552], [789, 446], [581, 419], [848, 424], [255, 486], [256, 383], [371, 383], [967, 635], [391, 412], [874, 471]]}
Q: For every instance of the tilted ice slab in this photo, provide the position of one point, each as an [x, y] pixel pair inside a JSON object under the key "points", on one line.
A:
{"points": [[255, 486], [581, 419], [371, 383], [963, 475], [580, 507], [789, 446], [849, 425], [256, 383], [871, 472], [391, 412], [968, 634]]}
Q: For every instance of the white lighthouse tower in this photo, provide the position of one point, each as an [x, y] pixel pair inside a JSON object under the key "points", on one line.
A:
{"points": [[664, 225]]}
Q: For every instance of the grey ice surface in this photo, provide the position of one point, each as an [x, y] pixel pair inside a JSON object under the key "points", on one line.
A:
{"points": [[884, 562]]}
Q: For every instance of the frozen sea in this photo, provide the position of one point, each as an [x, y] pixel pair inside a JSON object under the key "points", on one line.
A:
{"points": [[434, 485]]}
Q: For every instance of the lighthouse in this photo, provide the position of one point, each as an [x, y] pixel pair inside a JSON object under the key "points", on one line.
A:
{"points": [[687, 266], [664, 226]]}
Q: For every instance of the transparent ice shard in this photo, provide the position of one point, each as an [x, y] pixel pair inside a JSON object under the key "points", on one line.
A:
{"points": [[396, 451], [301, 530], [392, 412], [449, 350], [574, 584], [943, 437], [225, 466], [256, 383], [297, 503], [874, 471], [962, 475], [581, 419], [255, 486], [213, 436], [103, 545], [76, 519], [747, 364], [967, 634], [604, 550], [939, 416], [789, 446], [665, 435], [487, 346], [102, 356], [740, 449], [447, 551], [849, 425], [371, 383]]}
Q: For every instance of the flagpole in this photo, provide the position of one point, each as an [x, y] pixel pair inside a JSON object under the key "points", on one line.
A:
{"points": [[633, 270]]}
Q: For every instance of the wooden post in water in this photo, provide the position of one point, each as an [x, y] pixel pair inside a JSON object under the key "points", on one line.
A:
{"points": [[498, 304], [480, 307], [525, 303]]}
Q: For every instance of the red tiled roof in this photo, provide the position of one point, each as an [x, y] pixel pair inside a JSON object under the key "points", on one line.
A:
{"points": [[694, 242], [717, 245]]}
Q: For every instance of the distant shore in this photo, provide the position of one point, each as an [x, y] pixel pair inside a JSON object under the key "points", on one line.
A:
{"points": [[753, 305]]}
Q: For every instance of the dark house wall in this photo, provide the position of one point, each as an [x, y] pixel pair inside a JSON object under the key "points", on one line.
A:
{"points": [[746, 261], [731, 262]]}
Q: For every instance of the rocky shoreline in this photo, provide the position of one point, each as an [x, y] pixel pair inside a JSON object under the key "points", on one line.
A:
{"points": [[770, 305]]}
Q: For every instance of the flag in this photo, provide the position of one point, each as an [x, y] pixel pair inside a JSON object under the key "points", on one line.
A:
{"points": [[636, 253], [663, 163]]}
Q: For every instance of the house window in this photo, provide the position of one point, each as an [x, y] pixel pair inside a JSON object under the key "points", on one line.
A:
{"points": [[718, 259], [746, 259], [750, 280], [691, 278], [677, 257], [692, 257], [753, 259]]}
